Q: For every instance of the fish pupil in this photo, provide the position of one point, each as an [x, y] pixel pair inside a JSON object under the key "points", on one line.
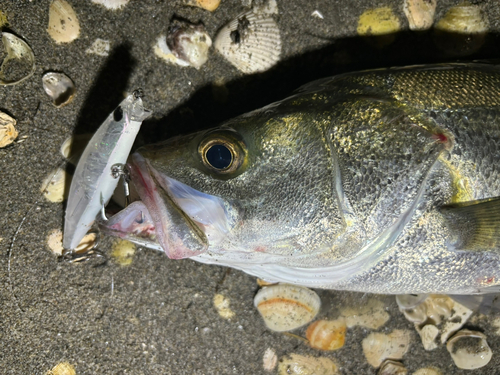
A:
{"points": [[219, 156]]}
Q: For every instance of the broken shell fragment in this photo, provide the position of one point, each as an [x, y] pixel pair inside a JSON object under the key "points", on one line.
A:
{"points": [[8, 132], [19, 62], [55, 187], [123, 252], [378, 347], [100, 47], [209, 5], [63, 22], [428, 334], [306, 365], [221, 304], [462, 30], [269, 360], [469, 350], [420, 13], [59, 87], [428, 371], [251, 42], [63, 368], [327, 334], [392, 368], [286, 307], [111, 4], [423, 308], [184, 45], [380, 24]]}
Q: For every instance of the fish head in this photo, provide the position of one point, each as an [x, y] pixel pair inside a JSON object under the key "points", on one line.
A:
{"points": [[256, 188]]}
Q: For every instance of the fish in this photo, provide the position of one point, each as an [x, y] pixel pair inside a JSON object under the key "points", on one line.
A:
{"points": [[382, 181]]}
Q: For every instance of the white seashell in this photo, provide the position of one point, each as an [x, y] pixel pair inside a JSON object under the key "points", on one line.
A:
{"points": [[55, 237], [269, 360], [209, 5], [21, 55], [469, 350], [378, 347], [459, 317], [428, 334], [428, 371], [392, 368], [420, 13], [63, 22], [184, 45], [421, 309], [221, 304], [410, 301], [63, 368], [100, 47], [251, 42], [267, 7], [111, 4], [306, 365], [8, 132], [370, 315], [72, 148], [59, 87], [285, 307], [327, 334], [55, 187]]}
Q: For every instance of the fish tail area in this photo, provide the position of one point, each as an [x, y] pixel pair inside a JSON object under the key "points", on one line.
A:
{"points": [[475, 225]]}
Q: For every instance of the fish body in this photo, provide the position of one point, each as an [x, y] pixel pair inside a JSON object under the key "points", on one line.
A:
{"points": [[380, 181]]}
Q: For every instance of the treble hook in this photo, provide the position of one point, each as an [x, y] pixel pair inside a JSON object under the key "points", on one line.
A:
{"points": [[74, 256]]}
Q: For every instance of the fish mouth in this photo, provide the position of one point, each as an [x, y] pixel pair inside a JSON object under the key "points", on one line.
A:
{"points": [[170, 215]]}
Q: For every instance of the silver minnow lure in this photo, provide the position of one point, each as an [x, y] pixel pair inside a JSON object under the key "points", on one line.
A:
{"points": [[94, 182]]}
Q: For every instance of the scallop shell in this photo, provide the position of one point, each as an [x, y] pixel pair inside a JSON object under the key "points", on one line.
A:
{"points": [[19, 53], [469, 350], [285, 307], [63, 22], [305, 365], [251, 42], [8, 132], [378, 347], [327, 334], [59, 87], [392, 368], [420, 13]]}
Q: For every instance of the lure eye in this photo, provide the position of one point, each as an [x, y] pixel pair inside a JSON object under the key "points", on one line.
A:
{"points": [[222, 153]]}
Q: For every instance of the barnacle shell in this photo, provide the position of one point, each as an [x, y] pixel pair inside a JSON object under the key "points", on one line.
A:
{"points": [[59, 87], [184, 45], [111, 4], [327, 334], [19, 64], [285, 307], [306, 365], [371, 314], [420, 13], [251, 42], [462, 30], [63, 22], [209, 5], [8, 132], [469, 350], [55, 187], [392, 368], [378, 346]]}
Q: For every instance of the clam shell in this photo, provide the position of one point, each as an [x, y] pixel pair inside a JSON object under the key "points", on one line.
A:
{"points": [[285, 307], [55, 187], [306, 365], [59, 87], [378, 347], [469, 350], [392, 368], [420, 13], [327, 334], [8, 132], [251, 42], [371, 314], [21, 55], [63, 23]]}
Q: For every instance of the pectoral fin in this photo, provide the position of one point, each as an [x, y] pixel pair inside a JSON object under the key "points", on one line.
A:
{"points": [[474, 225]]}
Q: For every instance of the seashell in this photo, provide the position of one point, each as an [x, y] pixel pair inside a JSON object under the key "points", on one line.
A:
{"points": [[462, 30], [123, 252], [63, 368], [59, 87], [262, 283], [266, 7], [55, 237], [420, 13], [73, 147], [378, 347], [269, 360], [184, 45], [327, 334], [420, 309], [428, 371], [409, 301], [19, 62], [380, 23], [392, 368], [209, 5], [285, 307], [8, 132], [306, 365], [457, 319], [221, 304], [428, 334], [370, 315], [55, 187], [100, 47], [251, 42], [469, 350], [63, 22], [3, 20], [111, 4]]}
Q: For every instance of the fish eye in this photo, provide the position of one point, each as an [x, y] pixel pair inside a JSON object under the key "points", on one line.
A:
{"points": [[222, 153]]}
